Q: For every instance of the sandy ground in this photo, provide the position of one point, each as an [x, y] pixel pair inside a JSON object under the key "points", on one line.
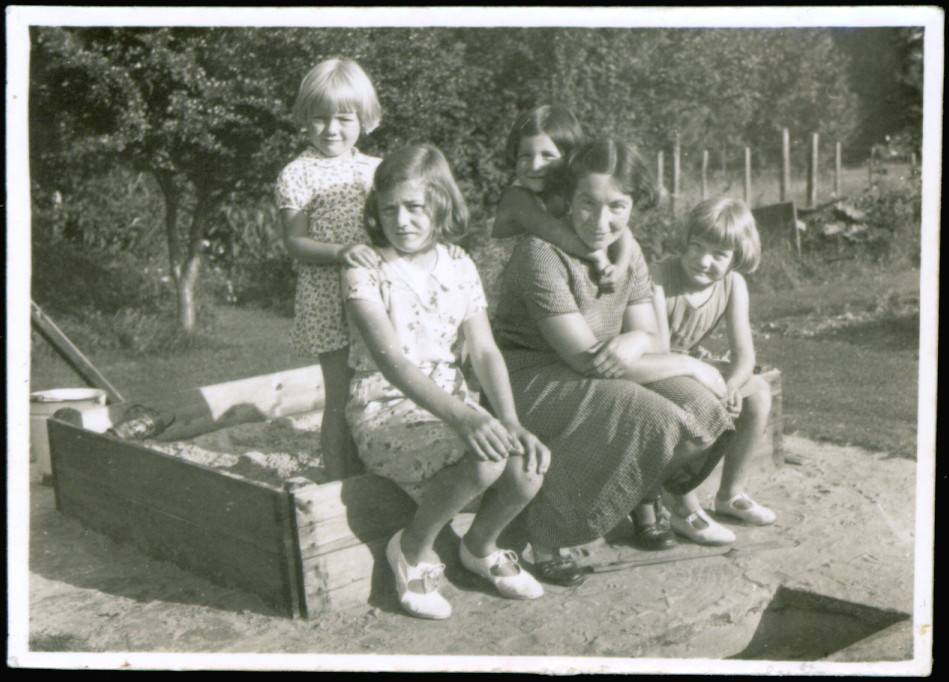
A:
{"points": [[845, 530]]}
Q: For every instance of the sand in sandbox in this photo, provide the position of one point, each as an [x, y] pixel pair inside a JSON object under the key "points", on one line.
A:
{"points": [[269, 452]]}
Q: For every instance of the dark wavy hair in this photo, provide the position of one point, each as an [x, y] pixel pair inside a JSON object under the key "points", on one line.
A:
{"points": [[556, 122], [444, 203], [620, 160]]}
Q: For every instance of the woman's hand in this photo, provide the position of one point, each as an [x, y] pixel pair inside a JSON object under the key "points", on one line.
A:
{"points": [[484, 435], [358, 255], [608, 278], [535, 453], [611, 359], [709, 377]]}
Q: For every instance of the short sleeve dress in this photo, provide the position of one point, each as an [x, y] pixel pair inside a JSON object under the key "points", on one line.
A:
{"points": [[394, 436], [332, 192], [610, 439]]}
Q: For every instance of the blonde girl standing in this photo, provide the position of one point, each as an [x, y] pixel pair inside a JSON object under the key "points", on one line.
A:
{"points": [[697, 290], [321, 195], [411, 412]]}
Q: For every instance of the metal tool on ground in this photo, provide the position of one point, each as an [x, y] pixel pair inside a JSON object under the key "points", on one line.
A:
{"points": [[666, 558]]}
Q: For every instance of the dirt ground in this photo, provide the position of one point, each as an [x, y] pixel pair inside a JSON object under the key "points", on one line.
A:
{"points": [[845, 531]]}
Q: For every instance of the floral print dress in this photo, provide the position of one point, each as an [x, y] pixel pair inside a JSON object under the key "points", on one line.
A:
{"points": [[332, 192], [395, 437]]}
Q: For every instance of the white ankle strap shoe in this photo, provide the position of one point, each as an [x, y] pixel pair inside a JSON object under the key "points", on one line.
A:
{"points": [[521, 585], [417, 585]]}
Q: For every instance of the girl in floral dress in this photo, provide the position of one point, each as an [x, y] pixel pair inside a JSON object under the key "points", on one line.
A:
{"points": [[411, 413], [321, 195]]}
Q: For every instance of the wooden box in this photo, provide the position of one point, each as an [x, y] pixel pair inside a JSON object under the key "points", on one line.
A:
{"points": [[302, 547], [770, 453]]}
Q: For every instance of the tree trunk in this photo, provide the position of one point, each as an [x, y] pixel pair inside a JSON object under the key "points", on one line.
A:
{"points": [[172, 196], [187, 309], [191, 268]]}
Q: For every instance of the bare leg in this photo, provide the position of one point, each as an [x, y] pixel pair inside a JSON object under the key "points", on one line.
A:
{"points": [[731, 498], [748, 429], [446, 494], [339, 450], [500, 504]]}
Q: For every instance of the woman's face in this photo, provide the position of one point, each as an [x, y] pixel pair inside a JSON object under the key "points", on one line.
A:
{"points": [[536, 156], [404, 217], [599, 210]]}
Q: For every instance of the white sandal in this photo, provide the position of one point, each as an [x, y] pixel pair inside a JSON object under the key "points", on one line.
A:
{"points": [[417, 585], [521, 585], [754, 514], [712, 534]]}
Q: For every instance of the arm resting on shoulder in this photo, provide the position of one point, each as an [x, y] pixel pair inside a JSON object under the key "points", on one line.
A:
{"points": [[520, 210]]}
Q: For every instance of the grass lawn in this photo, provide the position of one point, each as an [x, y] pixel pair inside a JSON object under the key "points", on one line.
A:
{"points": [[854, 385]]}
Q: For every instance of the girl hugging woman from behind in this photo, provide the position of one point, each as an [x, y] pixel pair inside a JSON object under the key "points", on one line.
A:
{"points": [[538, 144], [412, 415]]}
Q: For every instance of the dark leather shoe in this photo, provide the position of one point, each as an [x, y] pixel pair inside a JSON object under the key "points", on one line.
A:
{"points": [[657, 535], [560, 571]]}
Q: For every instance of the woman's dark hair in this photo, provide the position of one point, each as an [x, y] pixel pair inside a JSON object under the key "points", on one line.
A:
{"points": [[444, 203], [620, 160], [556, 122]]}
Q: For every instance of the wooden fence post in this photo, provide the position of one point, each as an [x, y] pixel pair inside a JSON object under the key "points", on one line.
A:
{"points": [[785, 165], [660, 170], [748, 175], [870, 169], [838, 170], [676, 151], [724, 167], [812, 173], [704, 174]]}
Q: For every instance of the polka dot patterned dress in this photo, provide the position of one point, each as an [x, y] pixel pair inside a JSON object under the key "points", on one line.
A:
{"points": [[332, 192]]}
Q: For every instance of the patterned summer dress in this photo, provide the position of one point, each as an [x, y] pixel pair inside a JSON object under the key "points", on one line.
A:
{"points": [[610, 439], [332, 191], [395, 437], [689, 324]]}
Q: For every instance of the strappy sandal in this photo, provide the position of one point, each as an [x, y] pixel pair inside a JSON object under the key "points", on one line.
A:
{"points": [[560, 571], [657, 535]]}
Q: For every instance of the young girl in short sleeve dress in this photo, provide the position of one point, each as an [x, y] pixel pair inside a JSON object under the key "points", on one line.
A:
{"points": [[321, 195], [412, 416]]}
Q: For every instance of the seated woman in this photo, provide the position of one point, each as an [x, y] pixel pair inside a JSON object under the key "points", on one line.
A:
{"points": [[622, 418]]}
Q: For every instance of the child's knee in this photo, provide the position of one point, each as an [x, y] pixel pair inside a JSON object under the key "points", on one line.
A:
{"points": [[525, 482], [758, 402], [486, 472]]}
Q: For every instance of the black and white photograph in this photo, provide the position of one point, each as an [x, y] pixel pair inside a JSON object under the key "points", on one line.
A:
{"points": [[561, 340]]}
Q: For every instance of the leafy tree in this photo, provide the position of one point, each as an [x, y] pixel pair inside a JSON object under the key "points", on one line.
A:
{"points": [[184, 105], [205, 111]]}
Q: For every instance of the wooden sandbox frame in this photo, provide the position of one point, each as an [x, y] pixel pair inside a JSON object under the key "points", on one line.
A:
{"points": [[303, 548]]}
